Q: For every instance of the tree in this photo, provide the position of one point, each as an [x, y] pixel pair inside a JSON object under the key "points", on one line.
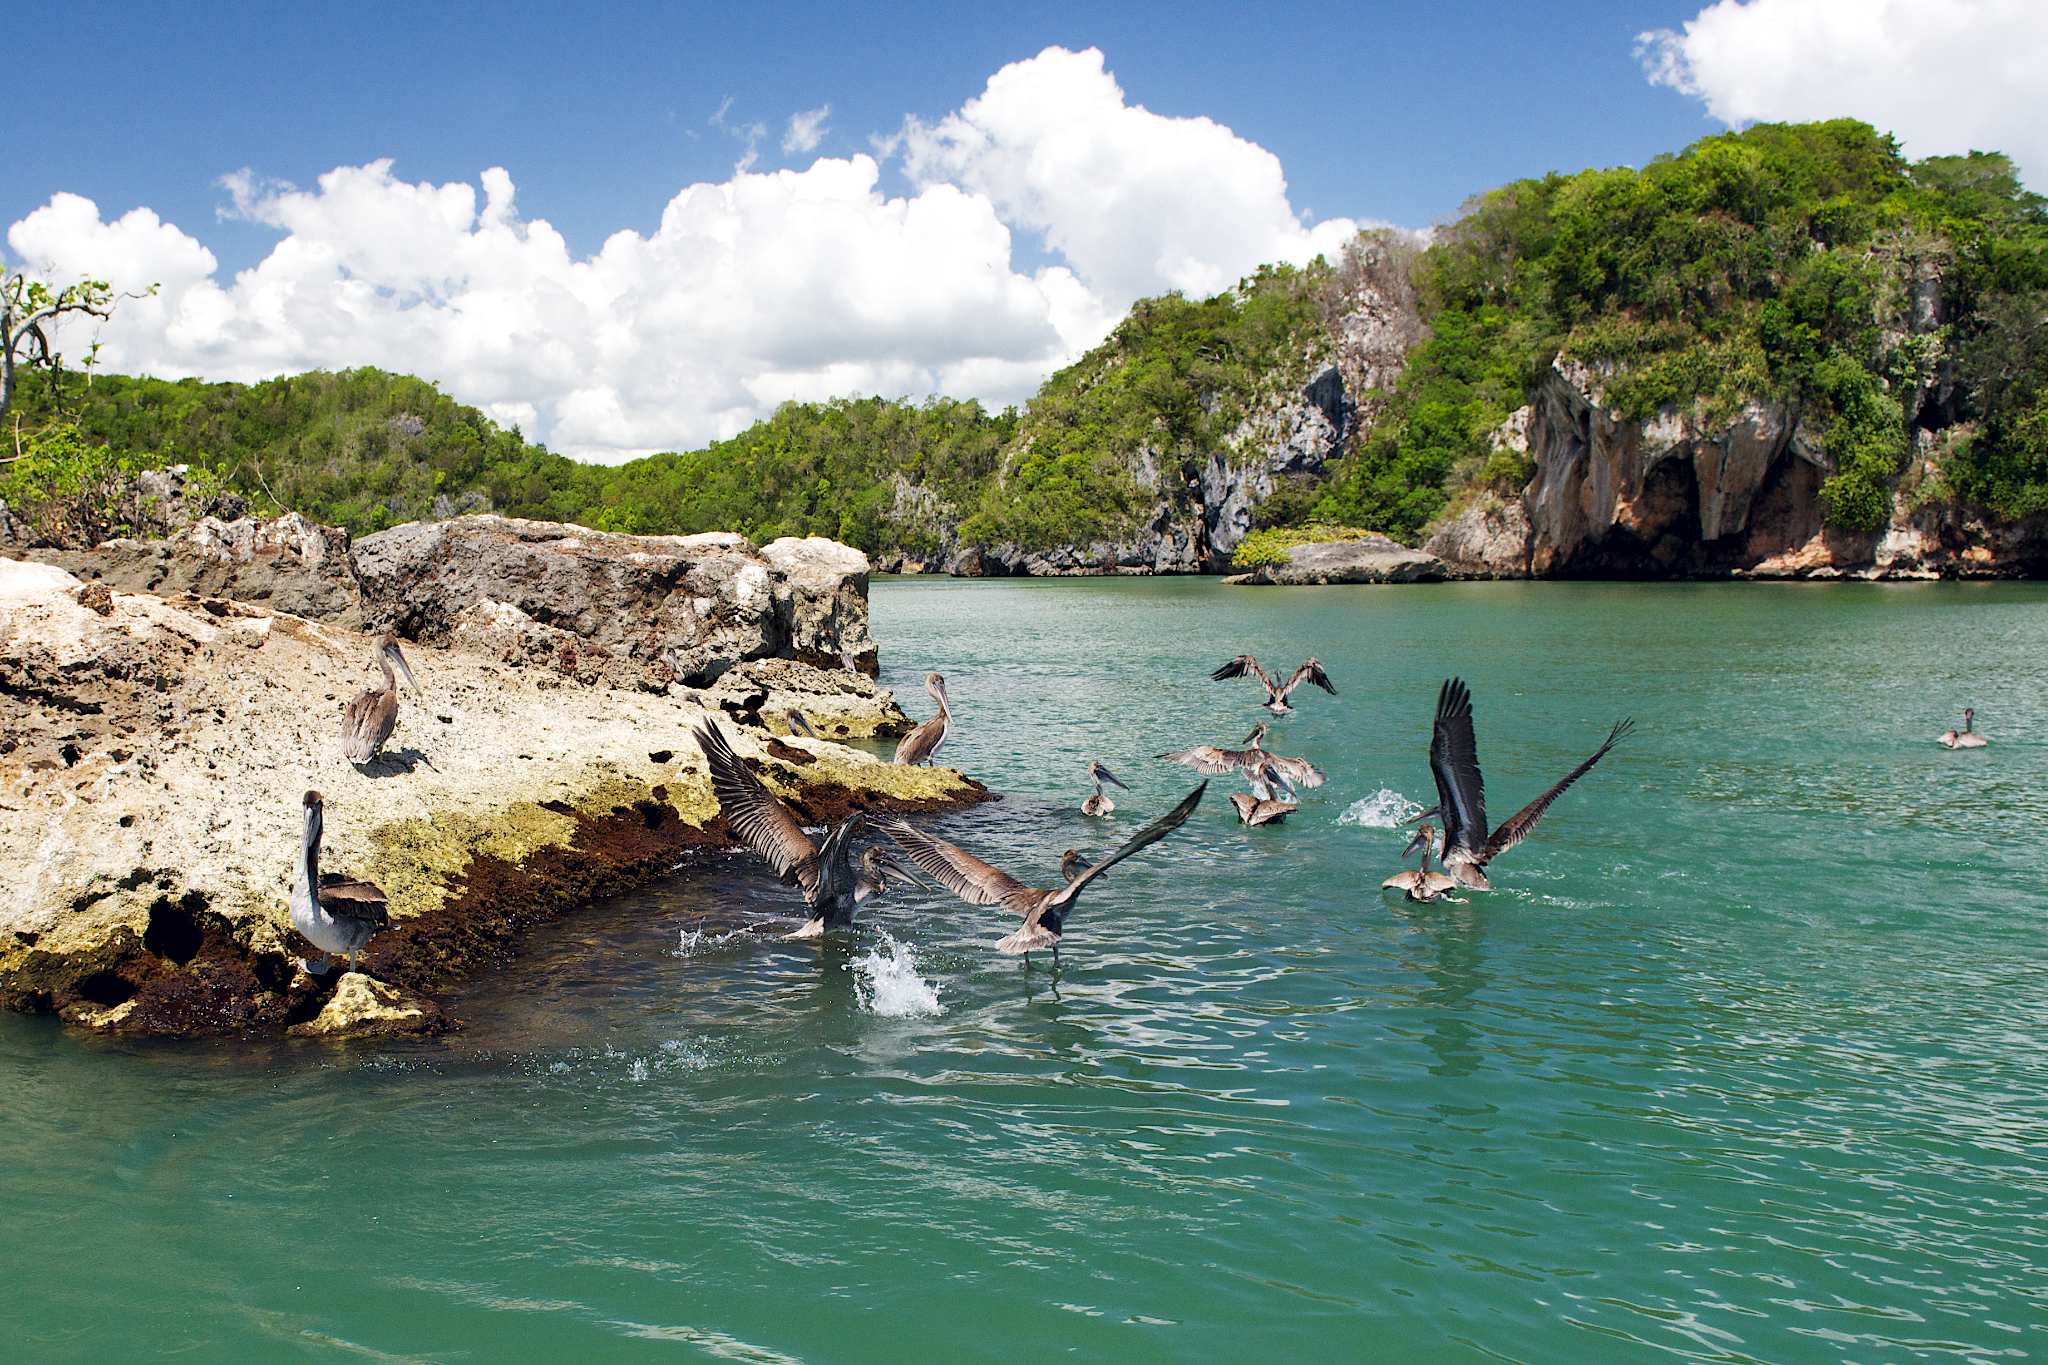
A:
{"points": [[29, 308]]}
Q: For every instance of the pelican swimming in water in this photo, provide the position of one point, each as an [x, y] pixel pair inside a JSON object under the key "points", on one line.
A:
{"points": [[920, 744], [372, 714], [331, 912], [1252, 760], [832, 883], [1421, 884], [1100, 804], [1045, 911], [1967, 737], [1461, 791], [1270, 800], [1276, 696]]}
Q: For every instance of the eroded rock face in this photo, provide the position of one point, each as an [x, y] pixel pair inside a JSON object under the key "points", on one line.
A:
{"points": [[623, 610], [287, 564], [154, 753], [838, 703], [1489, 538], [1373, 559]]}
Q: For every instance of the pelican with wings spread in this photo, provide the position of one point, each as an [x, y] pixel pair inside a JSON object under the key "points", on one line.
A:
{"points": [[1045, 911], [832, 880], [1461, 791], [1276, 696]]}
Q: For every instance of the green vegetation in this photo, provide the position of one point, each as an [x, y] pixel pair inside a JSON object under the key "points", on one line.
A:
{"points": [[1775, 263], [1270, 546]]}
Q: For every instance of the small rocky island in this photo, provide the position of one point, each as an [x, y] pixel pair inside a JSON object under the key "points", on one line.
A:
{"points": [[164, 705]]}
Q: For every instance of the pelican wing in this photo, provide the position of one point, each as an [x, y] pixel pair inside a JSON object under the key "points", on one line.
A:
{"points": [[1144, 838], [921, 743], [1312, 672], [1454, 760], [1299, 772], [953, 867], [1207, 758], [1238, 667], [367, 722], [345, 898], [1517, 826], [763, 823]]}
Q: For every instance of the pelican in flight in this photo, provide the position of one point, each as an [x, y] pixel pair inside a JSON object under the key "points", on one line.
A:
{"points": [[331, 912], [1421, 884], [1251, 761], [1276, 696], [372, 714], [1270, 801], [832, 881], [1461, 791], [920, 744], [1967, 737], [1045, 911], [1100, 804]]}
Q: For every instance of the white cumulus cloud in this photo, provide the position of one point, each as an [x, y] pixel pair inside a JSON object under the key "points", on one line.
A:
{"points": [[1946, 76], [751, 291], [806, 129]]}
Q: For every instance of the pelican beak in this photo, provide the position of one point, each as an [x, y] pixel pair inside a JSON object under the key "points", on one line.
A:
{"points": [[1257, 731], [1108, 776], [1432, 813], [404, 668], [1421, 840], [895, 868]]}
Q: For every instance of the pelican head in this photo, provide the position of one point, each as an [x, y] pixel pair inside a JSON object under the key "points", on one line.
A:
{"points": [[1257, 737], [878, 866], [389, 653], [1425, 839], [1099, 774], [935, 685], [1070, 865], [1969, 719]]}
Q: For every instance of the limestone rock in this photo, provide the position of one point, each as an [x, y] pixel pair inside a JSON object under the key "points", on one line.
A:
{"points": [[839, 703], [1488, 538], [1374, 559], [364, 1007]]}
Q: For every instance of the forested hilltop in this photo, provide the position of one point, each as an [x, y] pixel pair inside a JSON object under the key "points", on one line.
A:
{"points": [[1780, 349]]}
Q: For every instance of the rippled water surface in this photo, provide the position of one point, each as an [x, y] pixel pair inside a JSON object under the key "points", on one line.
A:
{"points": [[1746, 1057]]}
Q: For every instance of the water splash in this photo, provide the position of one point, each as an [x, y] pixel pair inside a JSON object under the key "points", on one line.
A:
{"points": [[1384, 809], [888, 984], [692, 942]]}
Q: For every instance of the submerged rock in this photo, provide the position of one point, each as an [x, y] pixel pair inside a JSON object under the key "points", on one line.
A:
{"points": [[153, 753]]}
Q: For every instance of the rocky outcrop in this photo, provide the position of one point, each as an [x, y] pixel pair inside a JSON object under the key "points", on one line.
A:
{"points": [[837, 703], [1369, 559], [286, 563], [622, 610], [1487, 538], [154, 751]]}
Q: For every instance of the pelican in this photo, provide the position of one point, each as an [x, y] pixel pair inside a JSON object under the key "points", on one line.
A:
{"points": [[1207, 758], [331, 912], [1276, 696], [1461, 791], [372, 714], [1100, 804], [833, 884], [800, 726], [1967, 737], [1421, 884], [1045, 911], [1270, 801], [920, 744]]}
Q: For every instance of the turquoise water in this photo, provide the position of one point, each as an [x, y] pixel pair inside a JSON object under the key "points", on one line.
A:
{"points": [[1746, 1057]]}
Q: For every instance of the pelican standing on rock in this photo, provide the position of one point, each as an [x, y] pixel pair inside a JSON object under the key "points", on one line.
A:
{"points": [[827, 875], [1276, 696], [920, 744], [1967, 737], [1251, 761], [1421, 884], [372, 714], [331, 912], [1045, 911], [1100, 804], [1461, 791]]}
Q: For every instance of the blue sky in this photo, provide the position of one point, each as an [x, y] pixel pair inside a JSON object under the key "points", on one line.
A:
{"points": [[614, 230]]}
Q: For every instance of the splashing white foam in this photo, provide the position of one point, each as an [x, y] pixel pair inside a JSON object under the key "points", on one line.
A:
{"points": [[691, 942], [1384, 809], [888, 984]]}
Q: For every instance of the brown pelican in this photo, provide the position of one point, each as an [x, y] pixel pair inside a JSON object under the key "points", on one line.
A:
{"points": [[1045, 911], [1421, 884], [1276, 696], [372, 713], [1967, 737], [800, 726], [1100, 804], [331, 912], [1207, 758], [920, 744], [1270, 801], [831, 882], [1461, 792]]}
